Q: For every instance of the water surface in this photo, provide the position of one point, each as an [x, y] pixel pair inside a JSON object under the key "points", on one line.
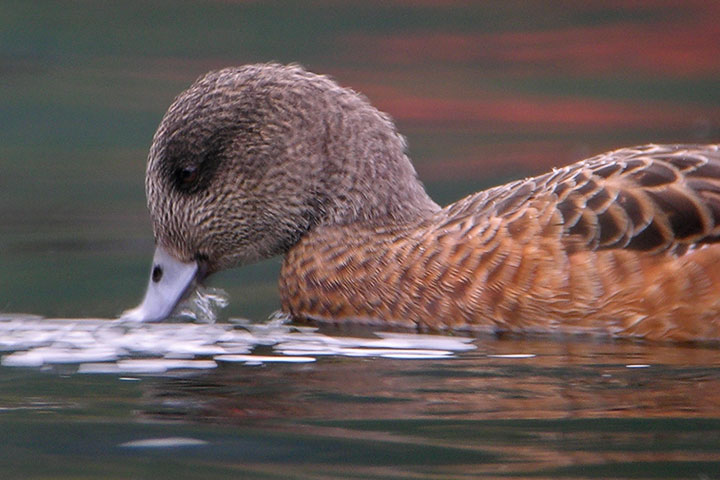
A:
{"points": [[505, 409]]}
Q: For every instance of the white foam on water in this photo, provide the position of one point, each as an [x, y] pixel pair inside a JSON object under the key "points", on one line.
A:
{"points": [[389, 345], [168, 442], [49, 355], [117, 347], [263, 359], [416, 340], [416, 354], [23, 359]]}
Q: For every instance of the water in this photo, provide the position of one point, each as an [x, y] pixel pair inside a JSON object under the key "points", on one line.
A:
{"points": [[510, 409], [485, 92]]}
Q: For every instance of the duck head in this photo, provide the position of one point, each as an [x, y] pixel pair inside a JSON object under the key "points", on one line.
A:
{"points": [[249, 159]]}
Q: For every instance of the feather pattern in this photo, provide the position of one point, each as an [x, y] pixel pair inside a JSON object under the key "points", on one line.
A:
{"points": [[624, 243]]}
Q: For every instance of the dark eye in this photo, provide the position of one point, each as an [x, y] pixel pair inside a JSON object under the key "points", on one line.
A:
{"points": [[191, 173], [188, 176], [157, 273]]}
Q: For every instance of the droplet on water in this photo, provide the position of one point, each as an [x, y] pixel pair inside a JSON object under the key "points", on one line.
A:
{"points": [[204, 304]]}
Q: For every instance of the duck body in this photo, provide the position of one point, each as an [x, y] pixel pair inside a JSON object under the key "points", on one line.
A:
{"points": [[263, 160], [620, 244]]}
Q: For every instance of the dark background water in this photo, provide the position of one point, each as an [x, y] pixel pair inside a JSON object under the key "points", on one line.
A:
{"points": [[485, 92]]}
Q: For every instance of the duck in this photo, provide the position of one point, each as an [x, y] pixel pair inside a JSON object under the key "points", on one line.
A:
{"points": [[268, 160]]}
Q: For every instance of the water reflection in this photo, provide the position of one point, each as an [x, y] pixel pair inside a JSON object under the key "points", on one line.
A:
{"points": [[574, 409], [583, 379], [369, 374]]}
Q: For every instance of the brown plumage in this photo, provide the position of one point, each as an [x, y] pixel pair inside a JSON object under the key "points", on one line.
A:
{"points": [[622, 243], [263, 160]]}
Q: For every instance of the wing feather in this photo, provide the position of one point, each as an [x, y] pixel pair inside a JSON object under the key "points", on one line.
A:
{"points": [[651, 198]]}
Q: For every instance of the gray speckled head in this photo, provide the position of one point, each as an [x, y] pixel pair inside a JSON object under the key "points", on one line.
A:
{"points": [[248, 159]]}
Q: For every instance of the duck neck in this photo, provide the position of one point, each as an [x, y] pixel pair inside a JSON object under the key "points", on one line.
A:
{"points": [[367, 177], [391, 194]]}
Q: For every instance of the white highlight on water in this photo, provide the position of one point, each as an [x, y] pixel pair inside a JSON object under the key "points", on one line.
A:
{"points": [[169, 442], [258, 359], [102, 346]]}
